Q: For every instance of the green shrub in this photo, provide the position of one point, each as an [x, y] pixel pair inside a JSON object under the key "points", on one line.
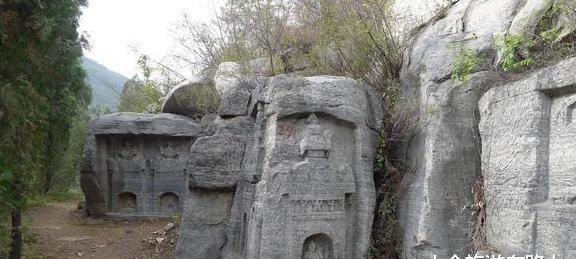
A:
{"points": [[466, 62], [510, 45]]}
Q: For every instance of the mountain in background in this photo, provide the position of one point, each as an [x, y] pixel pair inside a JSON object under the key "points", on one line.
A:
{"points": [[106, 84]]}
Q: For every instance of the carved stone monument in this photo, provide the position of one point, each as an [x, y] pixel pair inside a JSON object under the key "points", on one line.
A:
{"points": [[528, 163], [303, 187], [285, 171], [135, 164]]}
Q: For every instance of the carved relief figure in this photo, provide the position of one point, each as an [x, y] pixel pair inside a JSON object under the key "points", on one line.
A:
{"points": [[312, 252], [168, 149], [318, 246]]}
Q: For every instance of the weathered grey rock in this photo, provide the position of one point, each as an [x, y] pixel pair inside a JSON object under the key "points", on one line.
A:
{"points": [[436, 200], [235, 101], [527, 134], [204, 222], [216, 160], [94, 194], [215, 165], [135, 164], [525, 22], [409, 15], [189, 98], [311, 163], [128, 123], [300, 163]]}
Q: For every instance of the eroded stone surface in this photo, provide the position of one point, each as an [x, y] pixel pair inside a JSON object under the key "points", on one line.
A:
{"points": [[187, 98], [300, 176], [527, 135], [136, 164], [445, 154], [435, 205]]}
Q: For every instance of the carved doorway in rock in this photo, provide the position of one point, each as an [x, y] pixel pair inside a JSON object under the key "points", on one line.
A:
{"points": [[169, 203], [318, 246], [127, 202]]}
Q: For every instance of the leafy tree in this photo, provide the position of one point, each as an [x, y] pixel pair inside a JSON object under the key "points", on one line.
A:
{"points": [[41, 91], [141, 95]]}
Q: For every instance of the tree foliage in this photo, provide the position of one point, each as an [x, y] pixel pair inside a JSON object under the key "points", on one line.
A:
{"points": [[141, 95], [42, 100]]}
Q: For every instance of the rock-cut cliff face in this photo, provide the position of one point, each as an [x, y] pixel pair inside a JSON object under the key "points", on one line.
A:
{"points": [[448, 153]]}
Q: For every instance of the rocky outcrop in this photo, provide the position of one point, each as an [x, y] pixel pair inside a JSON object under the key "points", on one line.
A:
{"points": [[562, 16], [435, 208], [436, 200], [291, 178], [408, 16], [527, 132]]}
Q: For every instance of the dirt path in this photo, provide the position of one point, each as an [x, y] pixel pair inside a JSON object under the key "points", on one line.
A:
{"points": [[63, 232]]}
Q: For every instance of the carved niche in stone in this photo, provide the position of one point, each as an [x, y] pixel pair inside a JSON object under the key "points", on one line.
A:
{"points": [[528, 136], [137, 162], [317, 247], [314, 207]]}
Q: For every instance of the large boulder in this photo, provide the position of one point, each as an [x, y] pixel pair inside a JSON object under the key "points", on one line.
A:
{"points": [[192, 98]]}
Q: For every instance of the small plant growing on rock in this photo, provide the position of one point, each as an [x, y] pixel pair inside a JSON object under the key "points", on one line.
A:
{"points": [[466, 62], [510, 46]]}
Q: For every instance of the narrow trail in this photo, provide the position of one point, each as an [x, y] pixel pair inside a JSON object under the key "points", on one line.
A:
{"points": [[63, 232]]}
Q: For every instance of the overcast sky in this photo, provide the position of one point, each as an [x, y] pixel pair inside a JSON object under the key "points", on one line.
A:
{"points": [[116, 25]]}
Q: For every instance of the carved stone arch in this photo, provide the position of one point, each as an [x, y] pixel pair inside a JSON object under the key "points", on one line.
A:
{"points": [[318, 246], [169, 202], [127, 202]]}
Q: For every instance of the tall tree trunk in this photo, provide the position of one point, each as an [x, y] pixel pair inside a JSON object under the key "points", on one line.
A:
{"points": [[16, 235]]}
